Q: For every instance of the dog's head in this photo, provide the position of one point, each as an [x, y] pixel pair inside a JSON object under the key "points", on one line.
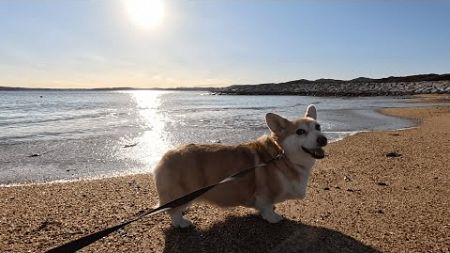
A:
{"points": [[300, 137]]}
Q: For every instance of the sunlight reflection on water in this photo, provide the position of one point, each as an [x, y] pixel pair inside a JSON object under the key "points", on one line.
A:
{"points": [[154, 141]]}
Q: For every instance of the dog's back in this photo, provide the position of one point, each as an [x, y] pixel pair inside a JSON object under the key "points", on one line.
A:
{"points": [[192, 166]]}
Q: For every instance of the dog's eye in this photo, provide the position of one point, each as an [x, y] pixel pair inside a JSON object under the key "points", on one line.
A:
{"points": [[300, 132], [317, 127]]}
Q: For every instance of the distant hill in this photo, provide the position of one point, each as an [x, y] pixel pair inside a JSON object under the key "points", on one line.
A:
{"points": [[362, 79], [413, 78], [391, 79]]}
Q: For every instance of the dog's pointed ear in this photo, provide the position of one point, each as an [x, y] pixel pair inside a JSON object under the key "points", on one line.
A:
{"points": [[276, 123], [311, 112]]}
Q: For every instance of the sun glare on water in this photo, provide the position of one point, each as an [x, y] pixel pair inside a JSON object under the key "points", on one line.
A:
{"points": [[145, 13]]}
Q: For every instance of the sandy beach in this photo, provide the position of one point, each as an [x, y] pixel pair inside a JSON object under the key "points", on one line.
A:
{"points": [[359, 200]]}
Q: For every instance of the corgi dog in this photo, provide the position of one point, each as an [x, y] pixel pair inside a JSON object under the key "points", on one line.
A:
{"points": [[193, 166]]}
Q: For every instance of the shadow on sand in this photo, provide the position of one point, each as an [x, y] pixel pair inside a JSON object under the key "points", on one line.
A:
{"points": [[252, 234]]}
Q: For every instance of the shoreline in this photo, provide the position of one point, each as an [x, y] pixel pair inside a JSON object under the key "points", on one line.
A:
{"points": [[358, 198]]}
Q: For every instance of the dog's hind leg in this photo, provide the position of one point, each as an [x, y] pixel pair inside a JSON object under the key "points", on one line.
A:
{"points": [[176, 214], [169, 189]]}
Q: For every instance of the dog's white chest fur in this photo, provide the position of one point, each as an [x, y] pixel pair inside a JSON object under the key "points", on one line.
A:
{"points": [[292, 188]]}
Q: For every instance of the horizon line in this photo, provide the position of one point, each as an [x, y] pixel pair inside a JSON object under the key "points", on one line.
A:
{"points": [[208, 86]]}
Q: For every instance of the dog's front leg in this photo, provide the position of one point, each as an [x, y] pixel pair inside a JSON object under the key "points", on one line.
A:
{"points": [[266, 209], [178, 220]]}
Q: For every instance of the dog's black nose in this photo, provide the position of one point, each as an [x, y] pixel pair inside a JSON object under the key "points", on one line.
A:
{"points": [[322, 141]]}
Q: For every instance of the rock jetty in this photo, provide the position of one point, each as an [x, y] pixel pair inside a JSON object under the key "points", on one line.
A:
{"points": [[390, 86]]}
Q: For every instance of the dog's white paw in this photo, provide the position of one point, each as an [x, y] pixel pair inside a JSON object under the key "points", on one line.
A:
{"points": [[272, 217], [182, 223]]}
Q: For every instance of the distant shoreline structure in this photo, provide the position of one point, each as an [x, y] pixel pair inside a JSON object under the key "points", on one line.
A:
{"points": [[361, 86]]}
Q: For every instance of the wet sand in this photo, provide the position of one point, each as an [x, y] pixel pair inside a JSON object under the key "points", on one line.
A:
{"points": [[359, 200]]}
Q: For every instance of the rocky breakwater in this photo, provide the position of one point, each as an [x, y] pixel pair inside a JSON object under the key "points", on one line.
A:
{"points": [[391, 86]]}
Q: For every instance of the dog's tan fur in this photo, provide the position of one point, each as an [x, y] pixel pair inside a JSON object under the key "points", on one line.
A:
{"points": [[190, 167]]}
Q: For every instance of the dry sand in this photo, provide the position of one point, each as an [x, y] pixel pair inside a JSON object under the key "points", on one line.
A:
{"points": [[359, 200]]}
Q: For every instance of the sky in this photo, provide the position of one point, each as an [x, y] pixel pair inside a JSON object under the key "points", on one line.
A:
{"points": [[175, 43]]}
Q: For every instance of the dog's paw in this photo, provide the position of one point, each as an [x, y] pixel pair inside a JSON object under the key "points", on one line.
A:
{"points": [[182, 223], [272, 217]]}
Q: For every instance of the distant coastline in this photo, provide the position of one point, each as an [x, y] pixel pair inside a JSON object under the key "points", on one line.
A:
{"points": [[361, 86], [7, 88]]}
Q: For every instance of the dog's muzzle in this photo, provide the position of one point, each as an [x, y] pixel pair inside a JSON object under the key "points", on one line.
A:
{"points": [[317, 153]]}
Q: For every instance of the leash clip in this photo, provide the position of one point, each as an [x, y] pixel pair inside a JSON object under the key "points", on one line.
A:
{"points": [[279, 156]]}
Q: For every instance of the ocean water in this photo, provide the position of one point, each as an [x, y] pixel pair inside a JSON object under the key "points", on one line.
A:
{"points": [[86, 134]]}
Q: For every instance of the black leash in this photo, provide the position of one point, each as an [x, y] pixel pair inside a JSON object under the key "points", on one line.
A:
{"points": [[84, 241]]}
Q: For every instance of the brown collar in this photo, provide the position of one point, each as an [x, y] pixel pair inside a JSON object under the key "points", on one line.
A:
{"points": [[271, 150]]}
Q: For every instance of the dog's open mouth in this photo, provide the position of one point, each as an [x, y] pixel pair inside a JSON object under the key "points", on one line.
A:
{"points": [[317, 153]]}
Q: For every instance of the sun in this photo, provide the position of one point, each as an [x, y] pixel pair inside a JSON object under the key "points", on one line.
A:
{"points": [[145, 13]]}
